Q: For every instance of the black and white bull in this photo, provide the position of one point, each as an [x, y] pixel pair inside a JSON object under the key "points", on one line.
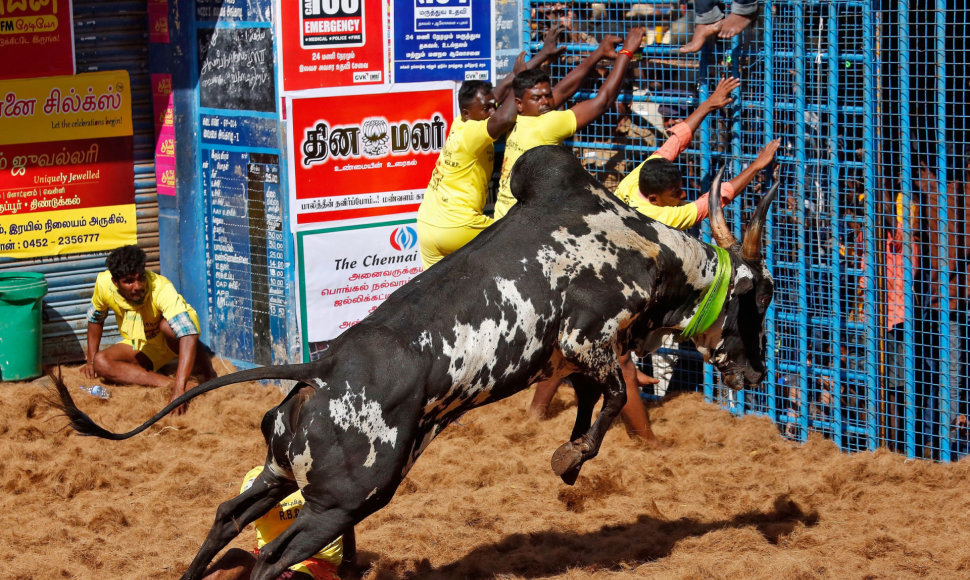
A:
{"points": [[568, 281]]}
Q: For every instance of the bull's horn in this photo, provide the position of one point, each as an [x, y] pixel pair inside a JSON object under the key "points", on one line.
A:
{"points": [[719, 230], [751, 249]]}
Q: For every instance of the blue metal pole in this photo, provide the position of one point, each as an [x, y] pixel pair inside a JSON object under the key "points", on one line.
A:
{"points": [[906, 185], [768, 125], [946, 393], [705, 169], [871, 239], [835, 266], [527, 26], [801, 282]]}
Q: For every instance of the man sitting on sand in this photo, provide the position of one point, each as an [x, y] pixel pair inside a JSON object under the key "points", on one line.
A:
{"points": [[156, 325]]}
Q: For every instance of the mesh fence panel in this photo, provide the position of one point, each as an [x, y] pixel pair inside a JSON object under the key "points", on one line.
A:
{"points": [[867, 241]]}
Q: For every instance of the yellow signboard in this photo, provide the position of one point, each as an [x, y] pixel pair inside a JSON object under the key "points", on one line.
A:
{"points": [[65, 108]]}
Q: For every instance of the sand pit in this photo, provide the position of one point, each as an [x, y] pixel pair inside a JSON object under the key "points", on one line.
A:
{"points": [[729, 499]]}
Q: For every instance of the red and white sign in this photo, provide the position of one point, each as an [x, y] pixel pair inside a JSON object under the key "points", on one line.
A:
{"points": [[36, 39], [358, 154], [332, 43]]}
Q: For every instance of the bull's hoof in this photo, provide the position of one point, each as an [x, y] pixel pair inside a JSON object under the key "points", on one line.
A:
{"points": [[567, 458], [570, 477]]}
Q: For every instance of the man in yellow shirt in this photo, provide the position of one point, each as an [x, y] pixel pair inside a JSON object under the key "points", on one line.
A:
{"points": [[237, 564], [452, 211], [156, 326], [655, 189], [538, 122]]}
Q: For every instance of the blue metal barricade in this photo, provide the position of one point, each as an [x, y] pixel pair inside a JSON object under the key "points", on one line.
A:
{"points": [[868, 239]]}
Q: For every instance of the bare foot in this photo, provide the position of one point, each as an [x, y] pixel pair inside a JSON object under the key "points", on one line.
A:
{"points": [[735, 23], [539, 412], [648, 439], [701, 33]]}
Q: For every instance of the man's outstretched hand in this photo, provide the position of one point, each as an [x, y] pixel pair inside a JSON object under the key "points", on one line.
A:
{"points": [[766, 155], [607, 47], [721, 97], [550, 42]]}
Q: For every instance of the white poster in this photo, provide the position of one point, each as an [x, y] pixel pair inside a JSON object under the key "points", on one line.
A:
{"points": [[347, 272]]}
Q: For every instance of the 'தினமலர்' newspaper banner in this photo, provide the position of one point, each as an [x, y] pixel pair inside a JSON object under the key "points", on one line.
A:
{"points": [[362, 153], [66, 174]]}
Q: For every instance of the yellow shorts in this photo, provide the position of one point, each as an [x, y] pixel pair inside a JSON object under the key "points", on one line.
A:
{"points": [[435, 243], [156, 348]]}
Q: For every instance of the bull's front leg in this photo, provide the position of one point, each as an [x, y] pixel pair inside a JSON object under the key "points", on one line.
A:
{"points": [[569, 458], [233, 515]]}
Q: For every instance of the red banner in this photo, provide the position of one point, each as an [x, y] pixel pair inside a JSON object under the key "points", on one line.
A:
{"points": [[36, 38], [65, 175], [332, 44], [365, 155], [158, 31]]}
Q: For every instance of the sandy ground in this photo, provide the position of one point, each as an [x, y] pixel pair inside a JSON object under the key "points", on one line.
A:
{"points": [[729, 498]]}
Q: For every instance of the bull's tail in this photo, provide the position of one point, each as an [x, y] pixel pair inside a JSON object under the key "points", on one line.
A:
{"points": [[84, 425]]}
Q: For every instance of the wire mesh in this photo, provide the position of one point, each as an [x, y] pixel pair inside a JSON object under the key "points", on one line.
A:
{"points": [[867, 241]]}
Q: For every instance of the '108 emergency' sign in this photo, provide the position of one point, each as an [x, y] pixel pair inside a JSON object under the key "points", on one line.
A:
{"points": [[328, 23]]}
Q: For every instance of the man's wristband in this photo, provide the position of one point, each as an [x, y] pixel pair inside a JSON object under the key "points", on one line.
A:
{"points": [[626, 52]]}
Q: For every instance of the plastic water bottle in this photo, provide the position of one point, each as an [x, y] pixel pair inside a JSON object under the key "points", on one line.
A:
{"points": [[96, 391]]}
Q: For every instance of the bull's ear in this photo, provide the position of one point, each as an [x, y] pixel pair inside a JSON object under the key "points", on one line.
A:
{"points": [[751, 249], [719, 230]]}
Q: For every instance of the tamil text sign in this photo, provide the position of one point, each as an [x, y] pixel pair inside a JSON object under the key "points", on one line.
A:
{"points": [[360, 154], [332, 43], [36, 38], [442, 40], [66, 172], [348, 272]]}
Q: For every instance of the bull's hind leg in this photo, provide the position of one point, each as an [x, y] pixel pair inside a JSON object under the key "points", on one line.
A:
{"points": [[569, 458], [233, 515], [310, 532]]}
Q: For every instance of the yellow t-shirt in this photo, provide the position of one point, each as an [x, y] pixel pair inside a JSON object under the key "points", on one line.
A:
{"points": [[680, 217], [459, 184], [141, 324], [271, 525], [550, 128]]}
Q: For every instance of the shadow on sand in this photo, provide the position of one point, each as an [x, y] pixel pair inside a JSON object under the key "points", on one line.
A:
{"points": [[552, 552]]}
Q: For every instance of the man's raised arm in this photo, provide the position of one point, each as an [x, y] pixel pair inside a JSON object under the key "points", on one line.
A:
{"points": [[567, 87], [550, 49], [589, 110]]}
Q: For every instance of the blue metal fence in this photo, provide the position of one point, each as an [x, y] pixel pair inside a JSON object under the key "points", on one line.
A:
{"points": [[868, 239]]}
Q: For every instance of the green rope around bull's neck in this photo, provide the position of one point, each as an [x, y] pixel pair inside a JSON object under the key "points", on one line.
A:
{"points": [[712, 303]]}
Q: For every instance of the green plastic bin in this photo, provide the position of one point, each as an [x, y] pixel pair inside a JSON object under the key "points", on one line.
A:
{"points": [[20, 325]]}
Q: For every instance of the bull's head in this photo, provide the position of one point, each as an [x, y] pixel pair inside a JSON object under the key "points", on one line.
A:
{"points": [[736, 343]]}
